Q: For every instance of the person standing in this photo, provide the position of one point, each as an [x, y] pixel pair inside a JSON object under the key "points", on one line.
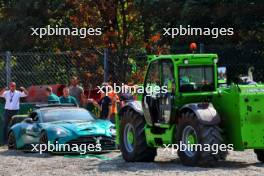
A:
{"points": [[125, 96], [67, 98], [76, 90], [12, 104], [114, 99], [104, 105], [52, 98]]}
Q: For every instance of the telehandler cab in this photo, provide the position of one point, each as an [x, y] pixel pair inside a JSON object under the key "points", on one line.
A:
{"points": [[194, 110]]}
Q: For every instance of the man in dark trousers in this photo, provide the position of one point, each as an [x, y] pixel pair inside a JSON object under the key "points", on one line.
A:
{"points": [[104, 105], [12, 99]]}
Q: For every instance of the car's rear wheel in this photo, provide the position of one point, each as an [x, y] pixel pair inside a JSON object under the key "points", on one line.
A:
{"points": [[12, 141], [133, 143], [260, 154]]}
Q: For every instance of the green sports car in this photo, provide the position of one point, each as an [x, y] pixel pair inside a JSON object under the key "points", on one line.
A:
{"points": [[62, 129]]}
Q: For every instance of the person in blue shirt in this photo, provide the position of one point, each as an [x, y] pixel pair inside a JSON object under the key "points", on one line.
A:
{"points": [[66, 98], [52, 98]]}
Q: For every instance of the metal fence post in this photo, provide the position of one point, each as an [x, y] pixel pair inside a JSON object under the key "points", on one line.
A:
{"points": [[202, 48], [106, 65], [8, 67]]}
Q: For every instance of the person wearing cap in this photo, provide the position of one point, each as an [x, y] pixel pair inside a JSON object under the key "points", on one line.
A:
{"points": [[67, 98], [12, 104], [52, 98]]}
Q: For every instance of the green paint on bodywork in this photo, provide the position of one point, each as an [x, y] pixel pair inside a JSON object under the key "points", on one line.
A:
{"points": [[158, 139], [117, 126], [240, 107], [130, 137], [191, 139], [242, 115]]}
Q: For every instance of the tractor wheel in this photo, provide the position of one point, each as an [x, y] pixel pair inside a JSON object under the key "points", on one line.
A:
{"points": [[260, 154], [133, 143], [190, 131], [12, 141]]}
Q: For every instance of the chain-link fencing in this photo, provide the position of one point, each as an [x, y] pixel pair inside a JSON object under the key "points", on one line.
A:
{"points": [[93, 67], [28, 69]]}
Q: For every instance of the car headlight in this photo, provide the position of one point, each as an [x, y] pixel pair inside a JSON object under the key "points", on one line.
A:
{"points": [[61, 132], [113, 131]]}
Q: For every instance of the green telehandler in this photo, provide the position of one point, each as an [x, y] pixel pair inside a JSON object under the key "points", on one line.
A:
{"points": [[183, 104]]}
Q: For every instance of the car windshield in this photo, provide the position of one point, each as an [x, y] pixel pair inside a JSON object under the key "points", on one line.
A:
{"points": [[199, 78], [66, 114]]}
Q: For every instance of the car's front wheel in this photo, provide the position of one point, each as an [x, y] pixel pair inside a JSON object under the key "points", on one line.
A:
{"points": [[12, 141]]}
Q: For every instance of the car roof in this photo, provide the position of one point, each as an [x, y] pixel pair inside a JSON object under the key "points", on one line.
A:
{"points": [[39, 106], [54, 108]]}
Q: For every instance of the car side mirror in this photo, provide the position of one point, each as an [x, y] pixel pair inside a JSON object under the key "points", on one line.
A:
{"points": [[29, 120]]}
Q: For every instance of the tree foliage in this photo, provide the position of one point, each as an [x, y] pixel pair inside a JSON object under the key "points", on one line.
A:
{"points": [[132, 28]]}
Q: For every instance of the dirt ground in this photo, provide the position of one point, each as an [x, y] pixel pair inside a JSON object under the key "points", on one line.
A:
{"points": [[18, 163]]}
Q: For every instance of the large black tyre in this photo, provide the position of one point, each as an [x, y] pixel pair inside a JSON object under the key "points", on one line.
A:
{"points": [[201, 134], [12, 141], [133, 140], [260, 154]]}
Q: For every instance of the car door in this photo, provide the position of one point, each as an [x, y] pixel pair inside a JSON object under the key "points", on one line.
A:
{"points": [[167, 95]]}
